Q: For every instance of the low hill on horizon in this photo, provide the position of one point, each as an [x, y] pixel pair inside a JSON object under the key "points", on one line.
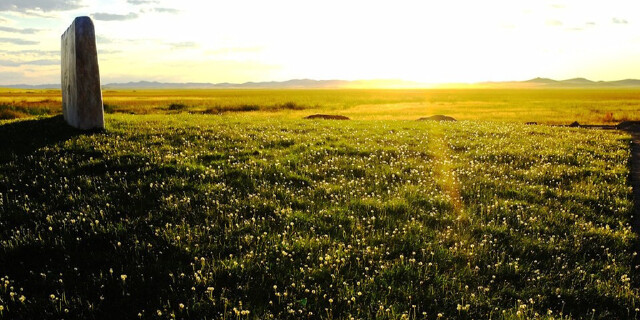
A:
{"points": [[289, 84], [356, 84], [569, 83]]}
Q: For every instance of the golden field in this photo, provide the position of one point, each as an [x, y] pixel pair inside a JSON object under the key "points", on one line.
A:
{"points": [[550, 106]]}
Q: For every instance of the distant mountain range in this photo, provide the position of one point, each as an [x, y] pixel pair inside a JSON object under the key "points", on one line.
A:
{"points": [[289, 84], [302, 83], [29, 86], [327, 84], [569, 83]]}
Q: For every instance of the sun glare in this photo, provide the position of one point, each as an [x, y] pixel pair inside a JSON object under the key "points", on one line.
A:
{"points": [[237, 41]]}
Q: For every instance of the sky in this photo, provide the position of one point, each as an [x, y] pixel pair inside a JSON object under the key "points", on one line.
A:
{"points": [[428, 41]]}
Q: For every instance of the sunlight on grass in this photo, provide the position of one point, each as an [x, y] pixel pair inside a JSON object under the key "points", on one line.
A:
{"points": [[239, 216], [552, 106]]}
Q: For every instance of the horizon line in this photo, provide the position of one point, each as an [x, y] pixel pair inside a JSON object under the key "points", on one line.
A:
{"points": [[400, 83]]}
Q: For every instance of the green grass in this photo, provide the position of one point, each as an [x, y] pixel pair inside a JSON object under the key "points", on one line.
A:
{"points": [[8, 111], [209, 217]]}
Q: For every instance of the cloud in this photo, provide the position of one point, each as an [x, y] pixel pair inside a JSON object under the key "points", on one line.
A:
{"points": [[234, 50], [114, 17], [17, 41], [141, 2], [149, 9], [184, 45], [110, 42], [32, 52], [22, 31], [39, 5], [41, 62], [166, 10], [9, 75], [103, 40], [107, 52], [620, 21], [9, 63]]}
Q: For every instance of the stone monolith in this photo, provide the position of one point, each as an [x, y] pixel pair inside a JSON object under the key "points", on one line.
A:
{"points": [[81, 96]]}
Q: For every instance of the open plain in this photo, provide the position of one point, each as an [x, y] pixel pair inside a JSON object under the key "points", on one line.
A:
{"points": [[211, 204], [549, 106]]}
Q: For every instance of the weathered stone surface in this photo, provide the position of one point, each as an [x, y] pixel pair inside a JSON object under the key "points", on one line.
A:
{"points": [[81, 96]]}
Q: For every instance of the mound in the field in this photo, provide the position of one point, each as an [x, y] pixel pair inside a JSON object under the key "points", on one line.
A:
{"points": [[327, 117], [437, 117], [574, 124], [629, 125]]}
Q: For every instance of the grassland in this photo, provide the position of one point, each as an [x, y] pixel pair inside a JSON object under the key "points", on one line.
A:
{"points": [[226, 204], [552, 106], [239, 216]]}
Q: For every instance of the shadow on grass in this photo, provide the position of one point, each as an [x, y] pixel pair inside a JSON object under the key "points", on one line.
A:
{"points": [[86, 240], [634, 178], [24, 137]]}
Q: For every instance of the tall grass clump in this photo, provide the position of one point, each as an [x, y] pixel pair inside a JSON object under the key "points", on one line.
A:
{"points": [[177, 107], [14, 111]]}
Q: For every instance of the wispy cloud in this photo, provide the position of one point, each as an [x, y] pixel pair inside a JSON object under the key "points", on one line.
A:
{"points": [[26, 6], [149, 8], [16, 30], [114, 17], [103, 40], [184, 45], [9, 63], [32, 52], [10, 75], [620, 21], [107, 52], [141, 2], [166, 10], [233, 50], [41, 62], [17, 41]]}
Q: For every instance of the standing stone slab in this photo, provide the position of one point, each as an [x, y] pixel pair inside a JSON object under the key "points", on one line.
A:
{"points": [[81, 95]]}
